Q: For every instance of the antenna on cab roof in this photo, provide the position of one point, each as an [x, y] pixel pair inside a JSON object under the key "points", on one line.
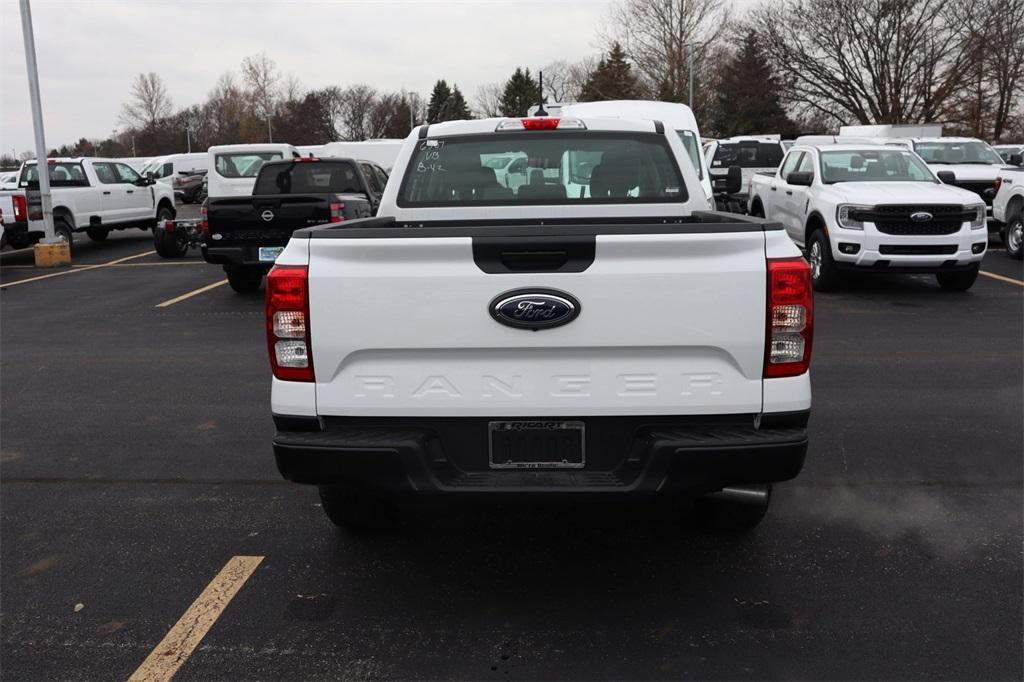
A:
{"points": [[541, 111]]}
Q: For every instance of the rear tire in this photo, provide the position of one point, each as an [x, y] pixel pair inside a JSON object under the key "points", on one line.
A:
{"points": [[1013, 236], [718, 514], [62, 230], [98, 234], [353, 509], [958, 281], [244, 280], [169, 244], [824, 273]]}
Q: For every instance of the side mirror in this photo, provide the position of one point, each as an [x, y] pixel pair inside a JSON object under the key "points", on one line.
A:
{"points": [[734, 180], [149, 175], [1016, 160], [800, 178], [947, 177]]}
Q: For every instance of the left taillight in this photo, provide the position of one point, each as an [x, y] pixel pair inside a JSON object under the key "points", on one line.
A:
{"points": [[288, 337], [204, 223], [20, 208], [789, 329]]}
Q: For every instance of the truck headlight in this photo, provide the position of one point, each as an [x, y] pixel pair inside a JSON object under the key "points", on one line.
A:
{"points": [[845, 216], [979, 220]]}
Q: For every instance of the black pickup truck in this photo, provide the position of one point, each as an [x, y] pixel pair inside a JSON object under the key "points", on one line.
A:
{"points": [[246, 234]]}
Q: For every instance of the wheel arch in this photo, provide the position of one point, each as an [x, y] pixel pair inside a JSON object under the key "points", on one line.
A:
{"points": [[1014, 206], [67, 214], [168, 204], [814, 221]]}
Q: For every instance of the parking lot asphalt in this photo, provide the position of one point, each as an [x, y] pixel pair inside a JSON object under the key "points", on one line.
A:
{"points": [[135, 464]]}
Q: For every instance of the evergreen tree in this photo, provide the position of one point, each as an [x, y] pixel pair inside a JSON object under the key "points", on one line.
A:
{"points": [[747, 99], [612, 79], [521, 93], [438, 99], [455, 109]]}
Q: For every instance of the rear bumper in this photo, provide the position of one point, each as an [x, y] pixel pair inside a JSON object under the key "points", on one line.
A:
{"points": [[625, 455], [236, 255]]}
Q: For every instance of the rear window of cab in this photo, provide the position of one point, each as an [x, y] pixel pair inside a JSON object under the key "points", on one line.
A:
{"points": [[542, 168]]}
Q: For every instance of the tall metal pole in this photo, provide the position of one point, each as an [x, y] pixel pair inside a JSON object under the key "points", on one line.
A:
{"points": [[42, 170], [188, 139], [690, 69]]}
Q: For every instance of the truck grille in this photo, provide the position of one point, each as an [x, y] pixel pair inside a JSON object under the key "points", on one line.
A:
{"points": [[895, 219], [916, 249]]}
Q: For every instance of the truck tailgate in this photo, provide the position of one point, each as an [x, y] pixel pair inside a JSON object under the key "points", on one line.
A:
{"points": [[669, 323], [270, 216]]}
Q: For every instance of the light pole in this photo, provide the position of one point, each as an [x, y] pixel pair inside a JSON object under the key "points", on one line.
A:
{"points": [[37, 122], [689, 68], [188, 139]]}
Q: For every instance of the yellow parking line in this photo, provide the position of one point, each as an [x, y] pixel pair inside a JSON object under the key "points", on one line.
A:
{"points": [[179, 299], [1011, 280], [75, 269], [182, 639]]}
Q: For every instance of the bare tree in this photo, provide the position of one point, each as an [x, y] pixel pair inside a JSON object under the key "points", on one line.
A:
{"points": [[658, 36], [577, 75], [148, 104], [869, 61], [357, 102], [260, 74], [558, 82], [487, 102], [1004, 62], [292, 89]]}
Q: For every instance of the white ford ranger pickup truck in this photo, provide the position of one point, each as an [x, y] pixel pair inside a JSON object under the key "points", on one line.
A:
{"points": [[596, 330], [873, 208]]}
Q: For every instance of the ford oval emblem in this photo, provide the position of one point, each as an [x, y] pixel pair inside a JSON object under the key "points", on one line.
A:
{"points": [[921, 216], [534, 308], [267, 216]]}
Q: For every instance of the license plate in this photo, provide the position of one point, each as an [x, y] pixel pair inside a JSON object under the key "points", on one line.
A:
{"points": [[269, 254], [540, 444]]}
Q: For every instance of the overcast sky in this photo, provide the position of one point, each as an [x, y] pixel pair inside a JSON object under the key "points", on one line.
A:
{"points": [[89, 50]]}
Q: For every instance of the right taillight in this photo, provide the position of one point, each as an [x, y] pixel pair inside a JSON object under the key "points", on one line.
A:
{"points": [[336, 212], [790, 318], [288, 338], [20, 208]]}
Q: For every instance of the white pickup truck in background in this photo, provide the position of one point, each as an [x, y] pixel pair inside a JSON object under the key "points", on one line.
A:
{"points": [[973, 163], [1008, 210], [873, 208], [595, 331], [751, 154], [90, 195]]}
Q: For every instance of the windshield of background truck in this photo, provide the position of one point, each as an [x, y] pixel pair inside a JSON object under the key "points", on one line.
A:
{"points": [[692, 145], [62, 174], [748, 155], [337, 177], [873, 166], [557, 168], [957, 152], [243, 164]]}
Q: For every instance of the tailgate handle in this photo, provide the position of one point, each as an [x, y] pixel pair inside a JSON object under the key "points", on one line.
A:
{"points": [[502, 255]]}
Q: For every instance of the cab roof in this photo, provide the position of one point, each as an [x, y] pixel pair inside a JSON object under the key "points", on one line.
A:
{"points": [[490, 125], [952, 140], [849, 147]]}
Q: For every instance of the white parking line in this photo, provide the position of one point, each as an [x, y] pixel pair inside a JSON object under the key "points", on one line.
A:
{"points": [[993, 275], [75, 269], [182, 639], [179, 299]]}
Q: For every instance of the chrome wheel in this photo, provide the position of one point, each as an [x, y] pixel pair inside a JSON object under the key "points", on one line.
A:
{"points": [[815, 259], [1015, 235]]}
